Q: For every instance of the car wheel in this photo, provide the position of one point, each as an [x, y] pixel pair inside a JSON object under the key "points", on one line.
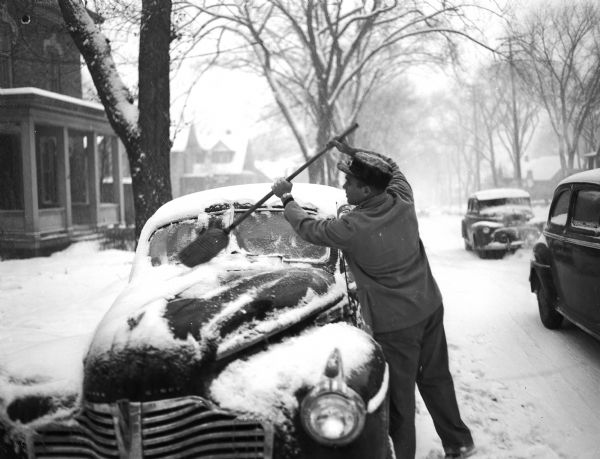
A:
{"points": [[468, 247], [549, 316]]}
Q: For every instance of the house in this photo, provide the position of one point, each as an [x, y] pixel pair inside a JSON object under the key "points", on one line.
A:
{"points": [[541, 175], [211, 160], [62, 167]]}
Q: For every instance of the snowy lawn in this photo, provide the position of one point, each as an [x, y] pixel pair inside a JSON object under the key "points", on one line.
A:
{"points": [[526, 392]]}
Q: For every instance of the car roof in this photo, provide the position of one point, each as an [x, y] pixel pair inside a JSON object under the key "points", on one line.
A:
{"points": [[497, 193], [590, 176], [324, 198]]}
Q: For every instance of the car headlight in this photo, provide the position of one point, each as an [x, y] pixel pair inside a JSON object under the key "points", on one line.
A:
{"points": [[332, 413], [485, 230]]}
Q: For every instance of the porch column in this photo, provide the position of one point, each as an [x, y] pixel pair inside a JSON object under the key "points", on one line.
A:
{"points": [[65, 178], [30, 186], [94, 178], [116, 147]]}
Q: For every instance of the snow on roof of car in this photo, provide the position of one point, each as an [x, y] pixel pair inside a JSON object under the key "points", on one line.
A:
{"points": [[325, 198], [591, 176], [498, 193]]}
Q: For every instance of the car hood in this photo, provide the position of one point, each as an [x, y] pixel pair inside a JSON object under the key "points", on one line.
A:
{"points": [[171, 336]]}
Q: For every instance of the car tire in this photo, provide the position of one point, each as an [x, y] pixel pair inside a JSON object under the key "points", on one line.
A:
{"points": [[549, 316], [468, 247]]}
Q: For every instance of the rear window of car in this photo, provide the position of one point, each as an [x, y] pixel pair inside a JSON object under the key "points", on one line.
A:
{"points": [[560, 210], [586, 212], [512, 201]]}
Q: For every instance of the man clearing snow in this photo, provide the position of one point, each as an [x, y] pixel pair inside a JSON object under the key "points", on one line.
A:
{"points": [[399, 297]]}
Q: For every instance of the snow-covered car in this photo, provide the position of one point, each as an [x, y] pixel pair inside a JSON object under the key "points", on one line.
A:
{"points": [[565, 269], [498, 221], [257, 353]]}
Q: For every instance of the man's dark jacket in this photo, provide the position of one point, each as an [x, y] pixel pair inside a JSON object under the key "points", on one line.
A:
{"points": [[380, 238]]}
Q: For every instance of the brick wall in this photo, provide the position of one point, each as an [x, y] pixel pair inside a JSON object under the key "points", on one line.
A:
{"points": [[43, 54]]}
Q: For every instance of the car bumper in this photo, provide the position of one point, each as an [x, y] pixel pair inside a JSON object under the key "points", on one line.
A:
{"points": [[503, 246]]}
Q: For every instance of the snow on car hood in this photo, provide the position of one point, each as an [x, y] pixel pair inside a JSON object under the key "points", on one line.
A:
{"points": [[266, 384], [161, 334]]}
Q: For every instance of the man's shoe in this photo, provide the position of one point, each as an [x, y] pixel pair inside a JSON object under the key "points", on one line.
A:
{"points": [[460, 452]]}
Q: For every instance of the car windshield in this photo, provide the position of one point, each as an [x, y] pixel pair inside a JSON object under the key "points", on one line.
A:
{"points": [[512, 201], [265, 232]]}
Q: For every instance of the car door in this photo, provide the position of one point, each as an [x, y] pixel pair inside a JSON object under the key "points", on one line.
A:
{"points": [[560, 252], [580, 270]]}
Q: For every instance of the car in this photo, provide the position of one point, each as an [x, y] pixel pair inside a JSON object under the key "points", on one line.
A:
{"points": [[565, 267], [498, 221], [259, 352]]}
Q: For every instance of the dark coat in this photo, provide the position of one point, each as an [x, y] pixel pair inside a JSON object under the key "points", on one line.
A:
{"points": [[380, 238]]}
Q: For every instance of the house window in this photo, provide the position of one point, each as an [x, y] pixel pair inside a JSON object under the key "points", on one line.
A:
{"points": [[221, 156], [78, 165], [11, 176], [105, 168], [55, 77], [47, 162], [5, 59]]}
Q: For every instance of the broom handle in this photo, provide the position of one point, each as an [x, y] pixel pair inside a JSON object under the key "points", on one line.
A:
{"points": [[328, 147]]}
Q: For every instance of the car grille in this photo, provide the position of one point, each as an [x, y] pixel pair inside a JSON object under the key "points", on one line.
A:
{"points": [[186, 427]]}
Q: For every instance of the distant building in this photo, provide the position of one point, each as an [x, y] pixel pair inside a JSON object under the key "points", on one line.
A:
{"points": [[542, 174], [213, 160], [61, 166]]}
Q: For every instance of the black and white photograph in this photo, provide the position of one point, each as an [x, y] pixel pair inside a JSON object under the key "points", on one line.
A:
{"points": [[299, 229]]}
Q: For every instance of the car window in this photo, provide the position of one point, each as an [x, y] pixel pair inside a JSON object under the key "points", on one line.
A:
{"points": [[269, 233], [558, 214], [522, 201], [262, 233], [586, 212]]}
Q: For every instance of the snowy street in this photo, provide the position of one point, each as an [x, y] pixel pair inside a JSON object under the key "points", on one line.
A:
{"points": [[525, 392]]}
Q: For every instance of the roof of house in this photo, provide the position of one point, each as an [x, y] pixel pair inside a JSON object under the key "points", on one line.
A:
{"points": [[216, 141], [541, 168]]}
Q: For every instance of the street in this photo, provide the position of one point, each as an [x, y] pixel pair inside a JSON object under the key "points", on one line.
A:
{"points": [[525, 391]]}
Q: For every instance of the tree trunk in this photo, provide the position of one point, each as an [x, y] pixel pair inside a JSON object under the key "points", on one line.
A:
{"points": [[146, 136], [150, 175]]}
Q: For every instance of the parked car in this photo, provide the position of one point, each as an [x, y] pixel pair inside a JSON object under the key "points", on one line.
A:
{"points": [[565, 269], [498, 221], [257, 353]]}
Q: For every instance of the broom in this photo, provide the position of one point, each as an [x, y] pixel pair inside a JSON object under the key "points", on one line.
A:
{"points": [[206, 246]]}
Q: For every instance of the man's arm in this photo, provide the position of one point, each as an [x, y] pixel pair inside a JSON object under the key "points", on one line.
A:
{"points": [[398, 185], [337, 232]]}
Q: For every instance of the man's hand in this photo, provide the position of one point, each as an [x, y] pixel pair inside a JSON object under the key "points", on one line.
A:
{"points": [[281, 186]]}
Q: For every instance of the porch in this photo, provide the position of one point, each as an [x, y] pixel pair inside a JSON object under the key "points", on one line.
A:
{"points": [[61, 171]]}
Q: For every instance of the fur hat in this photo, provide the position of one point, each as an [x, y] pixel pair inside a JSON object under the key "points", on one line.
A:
{"points": [[368, 168]]}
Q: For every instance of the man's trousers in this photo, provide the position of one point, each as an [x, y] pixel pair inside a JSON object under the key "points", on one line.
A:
{"points": [[419, 355]]}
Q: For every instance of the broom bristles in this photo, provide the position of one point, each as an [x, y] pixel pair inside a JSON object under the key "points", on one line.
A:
{"points": [[204, 248]]}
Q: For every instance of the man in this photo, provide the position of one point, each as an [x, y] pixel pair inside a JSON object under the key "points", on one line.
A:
{"points": [[400, 300]]}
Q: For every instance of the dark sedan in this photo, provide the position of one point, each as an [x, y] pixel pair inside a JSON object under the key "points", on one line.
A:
{"points": [[257, 353], [565, 270], [497, 221]]}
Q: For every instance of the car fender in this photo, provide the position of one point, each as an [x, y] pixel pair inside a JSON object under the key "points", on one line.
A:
{"points": [[540, 274]]}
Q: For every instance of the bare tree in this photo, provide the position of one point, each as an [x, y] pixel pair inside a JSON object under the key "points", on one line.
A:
{"points": [[558, 58], [516, 112], [322, 60], [143, 129]]}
